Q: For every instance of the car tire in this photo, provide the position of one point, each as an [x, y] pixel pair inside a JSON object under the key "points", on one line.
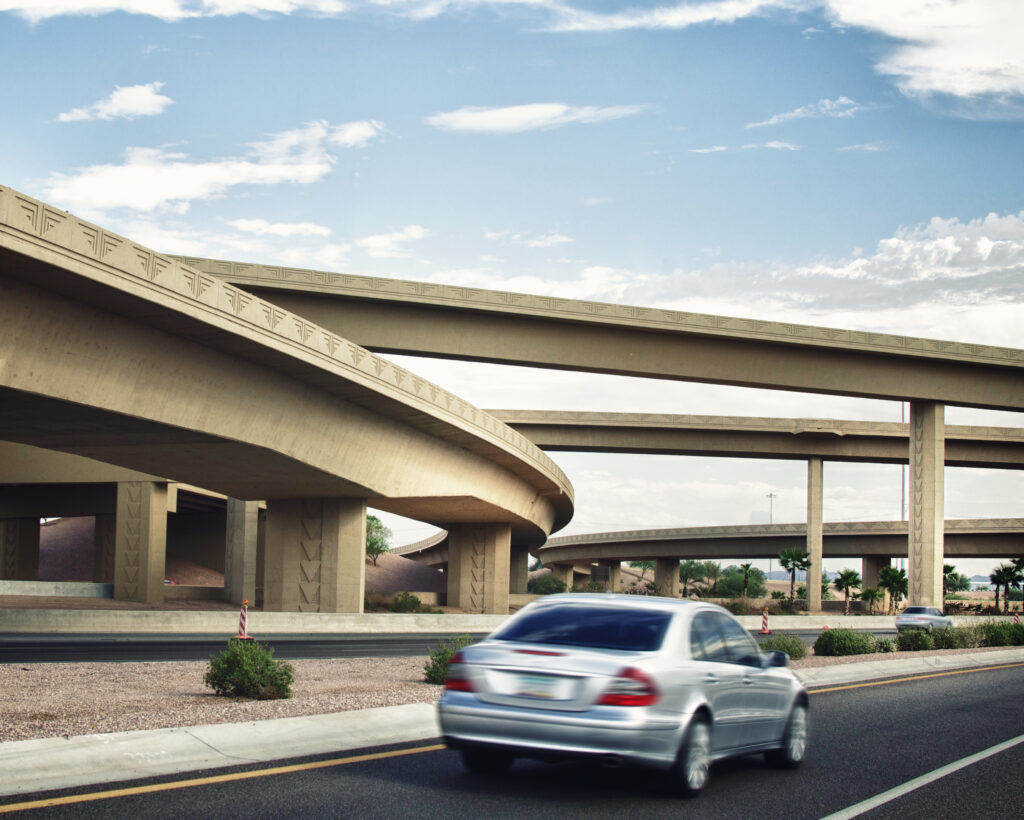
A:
{"points": [[690, 772], [486, 761], [794, 741]]}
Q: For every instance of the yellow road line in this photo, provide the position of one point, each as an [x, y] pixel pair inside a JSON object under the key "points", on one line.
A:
{"points": [[204, 781], [912, 677]]}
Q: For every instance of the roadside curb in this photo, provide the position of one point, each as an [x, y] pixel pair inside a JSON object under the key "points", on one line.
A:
{"points": [[873, 670]]}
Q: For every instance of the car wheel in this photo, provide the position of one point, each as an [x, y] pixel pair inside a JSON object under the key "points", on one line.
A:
{"points": [[690, 773], [794, 741], [486, 761]]}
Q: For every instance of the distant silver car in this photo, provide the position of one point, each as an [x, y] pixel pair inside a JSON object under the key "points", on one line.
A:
{"points": [[923, 617], [622, 679]]}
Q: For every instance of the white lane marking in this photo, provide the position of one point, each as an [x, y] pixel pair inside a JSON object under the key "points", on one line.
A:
{"points": [[898, 791]]}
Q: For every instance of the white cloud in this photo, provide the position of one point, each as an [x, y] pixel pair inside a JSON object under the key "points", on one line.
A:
{"points": [[169, 10], [548, 240], [714, 149], [355, 134], [841, 107], [775, 145], [680, 15], [869, 147], [152, 178], [518, 118], [392, 245], [948, 47], [261, 226], [127, 102]]}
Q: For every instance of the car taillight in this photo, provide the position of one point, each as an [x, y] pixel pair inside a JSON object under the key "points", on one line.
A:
{"points": [[630, 687], [456, 679]]}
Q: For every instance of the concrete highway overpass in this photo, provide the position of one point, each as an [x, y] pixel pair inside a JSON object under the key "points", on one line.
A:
{"points": [[876, 542], [117, 354], [752, 437]]}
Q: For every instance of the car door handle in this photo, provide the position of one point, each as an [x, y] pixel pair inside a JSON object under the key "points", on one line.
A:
{"points": [[747, 680], [709, 678]]}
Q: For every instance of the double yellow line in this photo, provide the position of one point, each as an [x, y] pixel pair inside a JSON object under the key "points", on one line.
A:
{"points": [[343, 761]]}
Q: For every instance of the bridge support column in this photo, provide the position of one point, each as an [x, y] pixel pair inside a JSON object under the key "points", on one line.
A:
{"points": [[666, 577], [563, 572], [315, 555], [240, 544], [19, 549], [518, 571], [140, 541], [871, 569], [814, 533], [104, 548], [615, 575], [478, 567], [927, 520]]}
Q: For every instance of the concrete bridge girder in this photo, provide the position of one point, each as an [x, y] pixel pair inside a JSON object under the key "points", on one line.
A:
{"points": [[118, 354]]}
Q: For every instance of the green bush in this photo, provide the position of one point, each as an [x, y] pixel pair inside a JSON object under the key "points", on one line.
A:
{"points": [[247, 669], [545, 585], [407, 602], [884, 645], [914, 640], [844, 642], [790, 644], [591, 586], [952, 638], [778, 595], [737, 607], [436, 669], [1001, 633]]}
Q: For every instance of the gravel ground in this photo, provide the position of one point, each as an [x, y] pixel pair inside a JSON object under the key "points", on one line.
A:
{"points": [[66, 699]]}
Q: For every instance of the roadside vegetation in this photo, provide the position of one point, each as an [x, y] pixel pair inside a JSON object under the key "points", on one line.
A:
{"points": [[436, 668], [247, 669], [985, 634]]}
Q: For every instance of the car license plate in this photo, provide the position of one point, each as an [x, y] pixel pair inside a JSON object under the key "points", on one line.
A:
{"points": [[538, 686]]}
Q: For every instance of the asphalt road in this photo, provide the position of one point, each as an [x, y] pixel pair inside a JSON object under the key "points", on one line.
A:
{"points": [[50, 648], [864, 741]]}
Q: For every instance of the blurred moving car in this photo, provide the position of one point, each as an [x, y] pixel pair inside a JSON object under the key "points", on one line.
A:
{"points": [[622, 679], [923, 617]]}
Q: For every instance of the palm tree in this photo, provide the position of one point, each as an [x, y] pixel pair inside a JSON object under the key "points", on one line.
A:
{"points": [[948, 571], [1017, 570], [894, 581], [871, 595], [1005, 575], [793, 560], [690, 572], [848, 580], [745, 568]]}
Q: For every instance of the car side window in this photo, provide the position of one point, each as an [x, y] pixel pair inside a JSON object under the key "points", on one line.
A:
{"points": [[740, 647], [706, 641]]}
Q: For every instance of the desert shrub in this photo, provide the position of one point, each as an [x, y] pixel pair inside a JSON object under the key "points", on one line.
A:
{"points": [[914, 640], [1001, 633], [591, 586], [954, 638], [643, 588], [247, 669], [778, 595], [884, 645], [407, 602], [790, 644], [737, 607], [545, 585], [844, 642], [435, 670]]}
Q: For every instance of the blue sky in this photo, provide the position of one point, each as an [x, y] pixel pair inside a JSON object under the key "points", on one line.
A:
{"points": [[851, 163]]}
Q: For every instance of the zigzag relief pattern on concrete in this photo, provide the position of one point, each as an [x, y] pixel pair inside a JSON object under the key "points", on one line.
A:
{"points": [[130, 519], [624, 314], [173, 276], [311, 555]]}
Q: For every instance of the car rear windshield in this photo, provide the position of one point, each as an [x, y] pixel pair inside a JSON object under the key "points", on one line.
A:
{"points": [[598, 627], [915, 610]]}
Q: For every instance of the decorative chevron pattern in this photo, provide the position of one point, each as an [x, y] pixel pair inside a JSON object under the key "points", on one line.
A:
{"points": [[476, 554], [129, 515], [311, 554], [203, 287]]}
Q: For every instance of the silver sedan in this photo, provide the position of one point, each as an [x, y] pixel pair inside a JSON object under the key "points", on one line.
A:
{"points": [[923, 617], [621, 679]]}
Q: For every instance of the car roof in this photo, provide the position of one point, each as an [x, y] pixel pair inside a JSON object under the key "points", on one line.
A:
{"points": [[605, 599]]}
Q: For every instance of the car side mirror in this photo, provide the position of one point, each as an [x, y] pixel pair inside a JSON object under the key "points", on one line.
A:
{"points": [[776, 658]]}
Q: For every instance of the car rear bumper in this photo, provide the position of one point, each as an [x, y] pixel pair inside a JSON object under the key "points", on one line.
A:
{"points": [[608, 734]]}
